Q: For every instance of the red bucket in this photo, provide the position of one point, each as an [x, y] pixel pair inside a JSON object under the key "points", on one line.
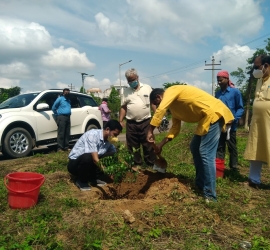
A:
{"points": [[23, 189], [220, 167]]}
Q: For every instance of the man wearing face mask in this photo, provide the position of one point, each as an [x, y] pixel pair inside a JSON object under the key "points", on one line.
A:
{"points": [[233, 99], [135, 106], [62, 110], [84, 156], [258, 145]]}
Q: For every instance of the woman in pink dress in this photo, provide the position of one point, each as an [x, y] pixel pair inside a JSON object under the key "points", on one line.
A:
{"points": [[105, 111]]}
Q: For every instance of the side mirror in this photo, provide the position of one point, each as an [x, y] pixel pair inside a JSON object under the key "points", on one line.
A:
{"points": [[43, 106]]}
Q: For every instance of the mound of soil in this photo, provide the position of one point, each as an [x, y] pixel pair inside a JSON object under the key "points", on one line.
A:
{"points": [[146, 185]]}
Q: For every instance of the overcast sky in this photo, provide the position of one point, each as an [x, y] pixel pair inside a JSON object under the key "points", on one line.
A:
{"points": [[45, 43]]}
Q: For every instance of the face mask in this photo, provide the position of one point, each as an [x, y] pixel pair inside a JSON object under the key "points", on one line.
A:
{"points": [[257, 73], [112, 139], [133, 84]]}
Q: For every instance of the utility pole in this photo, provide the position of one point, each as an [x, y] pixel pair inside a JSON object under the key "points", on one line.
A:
{"points": [[120, 76], [83, 77], [71, 87], [213, 73]]}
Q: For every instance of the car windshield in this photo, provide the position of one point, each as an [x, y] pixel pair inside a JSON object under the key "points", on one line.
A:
{"points": [[18, 101]]}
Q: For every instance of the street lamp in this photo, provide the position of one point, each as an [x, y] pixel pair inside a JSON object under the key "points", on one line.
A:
{"points": [[83, 76], [120, 75]]}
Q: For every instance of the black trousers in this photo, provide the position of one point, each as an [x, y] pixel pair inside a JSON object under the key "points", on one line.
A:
{"points": [[84, 167], [232, 148], [63, 132], [136, 137]]}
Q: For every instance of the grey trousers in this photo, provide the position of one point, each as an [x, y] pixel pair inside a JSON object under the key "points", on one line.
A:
{"points": [[63, 132]]}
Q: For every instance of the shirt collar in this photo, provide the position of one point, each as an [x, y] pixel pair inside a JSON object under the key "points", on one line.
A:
{"points": [[228, 89], [101, 135]]}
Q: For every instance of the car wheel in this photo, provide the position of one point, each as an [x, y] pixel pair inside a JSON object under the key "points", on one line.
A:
{"points": [[17, 143], [92, 126]]}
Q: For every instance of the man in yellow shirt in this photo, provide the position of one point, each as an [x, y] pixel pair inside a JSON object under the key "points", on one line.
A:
{"points": [[190, 104]]}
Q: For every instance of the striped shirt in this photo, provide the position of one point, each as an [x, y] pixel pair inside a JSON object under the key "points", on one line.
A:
{"points": [[90, 142]]}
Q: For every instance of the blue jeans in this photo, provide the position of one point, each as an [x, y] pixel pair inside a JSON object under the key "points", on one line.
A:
{"points": [[203, 149]]}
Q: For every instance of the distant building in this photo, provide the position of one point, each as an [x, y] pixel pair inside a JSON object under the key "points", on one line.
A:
{"points": [[118, 87], [97, 92]]}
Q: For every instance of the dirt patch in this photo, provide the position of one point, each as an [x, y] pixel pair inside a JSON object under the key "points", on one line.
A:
{"points": [[147, 187]]}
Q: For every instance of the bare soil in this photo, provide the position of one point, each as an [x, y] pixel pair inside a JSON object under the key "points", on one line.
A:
{"points": [[137, 193]]}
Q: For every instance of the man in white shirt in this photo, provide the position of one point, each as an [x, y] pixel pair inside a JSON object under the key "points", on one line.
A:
{"points": [[135, 106], [84, 158]]}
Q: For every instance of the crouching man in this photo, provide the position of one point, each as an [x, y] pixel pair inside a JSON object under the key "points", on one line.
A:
{"points": [[85, 155]]}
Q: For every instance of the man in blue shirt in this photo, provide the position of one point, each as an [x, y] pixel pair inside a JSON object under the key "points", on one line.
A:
{"points": [[62, 109], [84, 157], [233, 99]]}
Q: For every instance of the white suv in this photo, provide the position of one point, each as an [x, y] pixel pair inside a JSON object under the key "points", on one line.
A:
{"points": [[27, 120]]}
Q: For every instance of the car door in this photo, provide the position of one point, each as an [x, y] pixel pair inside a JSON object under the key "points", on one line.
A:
{"points": [[77, 115], [45, 119], [83, 108]]}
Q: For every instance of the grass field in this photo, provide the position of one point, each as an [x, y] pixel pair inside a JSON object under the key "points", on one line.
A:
{"points": [[168, 211]]}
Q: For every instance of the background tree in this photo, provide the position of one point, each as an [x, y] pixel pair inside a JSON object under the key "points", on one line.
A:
{"points": [[97, 99], [114, 103], [82, 90], [7, 93], [247, 82], [241, 80], [169, 84]]}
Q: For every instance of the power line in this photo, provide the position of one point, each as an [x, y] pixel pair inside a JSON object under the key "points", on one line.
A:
{"points": [[187, 67]]}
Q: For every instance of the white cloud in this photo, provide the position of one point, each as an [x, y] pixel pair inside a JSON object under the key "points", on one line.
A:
{"points": [[91, 82], [233, 57], [67, 58], [110, 29], [36, 86], [197, 20], [14, 70], [48, 42], [62, 85], [8, 83], [20, 38], [202, 85]]}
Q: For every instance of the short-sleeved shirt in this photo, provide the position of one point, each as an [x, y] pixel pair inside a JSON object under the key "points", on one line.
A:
{"points": [[138, 102], [61, 106], [90, 142]]}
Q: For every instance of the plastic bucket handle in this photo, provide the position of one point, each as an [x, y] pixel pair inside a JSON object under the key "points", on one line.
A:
{"points": [[22, 192]]}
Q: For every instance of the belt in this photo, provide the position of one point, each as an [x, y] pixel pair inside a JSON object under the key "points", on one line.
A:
{"points": [[132, 121], [64, 115]]}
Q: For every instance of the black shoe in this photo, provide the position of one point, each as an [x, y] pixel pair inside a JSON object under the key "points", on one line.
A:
{"points": [[253, 185], [83, 186]]}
